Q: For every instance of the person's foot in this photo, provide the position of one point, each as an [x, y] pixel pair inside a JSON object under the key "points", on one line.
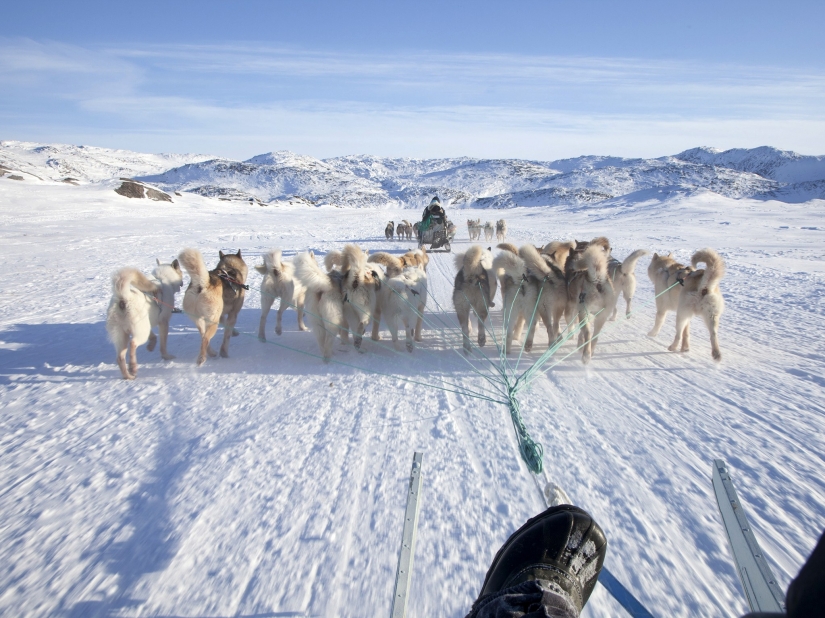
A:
{"points": [[562, 546]]}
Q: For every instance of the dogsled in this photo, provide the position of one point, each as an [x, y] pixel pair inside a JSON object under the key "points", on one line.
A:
{"points": [[435, 229]]}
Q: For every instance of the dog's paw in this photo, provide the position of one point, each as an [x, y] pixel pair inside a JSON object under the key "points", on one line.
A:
{"points": [[235, 332], [653, 333], [717, 355], [168, 357], [224, 353], [151, 345], [277, 330], [262, 338], [302, 327], [128, 376], [376, 337], [685, 348], [410, 347], [672, 347], [201, 360]]}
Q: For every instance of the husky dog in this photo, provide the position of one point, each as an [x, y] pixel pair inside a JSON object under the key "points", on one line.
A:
{"points": [[404, 267], [403, 297], [489, 230], [474, 289], [590, 297], [399, 231], [279, 282], [213, 297], [339, 300], [664, 271], [700, 295], [474, 228], [531, 289], [389, 230], [501, 230], [324, 301], [171, 281], [131, 315], [623, 275], [551, 295]]}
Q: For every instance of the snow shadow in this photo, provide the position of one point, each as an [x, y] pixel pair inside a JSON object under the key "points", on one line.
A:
{"points": [[32, 349], [154, 535]]}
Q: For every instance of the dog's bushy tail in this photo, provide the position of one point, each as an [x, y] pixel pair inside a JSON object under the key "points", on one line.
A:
{"points": [[192, 262], [392, 263], [537, 265], [594, 261], [507, 246], [601, 241], [310, 274], [272, 261], [354, 258], [332, 259], [127, 278], [629, 264], [511, 264], [471, 261], [714, 267], [559, 250]]}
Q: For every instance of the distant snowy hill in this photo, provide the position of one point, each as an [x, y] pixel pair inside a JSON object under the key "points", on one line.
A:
{"points": [[368, 181], [86, 163]]}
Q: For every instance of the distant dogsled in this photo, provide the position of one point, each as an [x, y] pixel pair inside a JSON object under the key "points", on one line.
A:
{"points": [[435, 229]]}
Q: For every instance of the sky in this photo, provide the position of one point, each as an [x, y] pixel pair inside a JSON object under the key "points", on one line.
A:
{"points": [[533, 80]]}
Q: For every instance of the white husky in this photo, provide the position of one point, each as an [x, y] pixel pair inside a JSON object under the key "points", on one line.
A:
{"points": [[700, 295], [590, 297], [279, 282], [338, 301], [489, 230], [403, 298], [132, 313], [170, 277], [623, 275]]}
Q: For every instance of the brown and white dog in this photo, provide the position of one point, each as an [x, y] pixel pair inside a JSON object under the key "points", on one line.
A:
{"points": [[700, 295], [131, 315], [473, 290], [214, 297], [279, 282], [389, 231], [501, 230]]}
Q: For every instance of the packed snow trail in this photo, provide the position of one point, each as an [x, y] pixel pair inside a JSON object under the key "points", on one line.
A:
{"points": [[271, 483]]}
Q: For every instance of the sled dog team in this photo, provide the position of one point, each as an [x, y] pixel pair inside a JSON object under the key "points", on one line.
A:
{"points": [[577, 281], [475, 229], [404, 230]]}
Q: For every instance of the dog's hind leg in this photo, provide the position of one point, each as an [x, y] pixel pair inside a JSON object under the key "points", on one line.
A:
{"points": [[712, 322], [207, 332], [586, 336], [153, 340], [682, 326], [133, 366], [464, 323], [121, 346], [661, 314], [300, 309], [482, 327], [266, 305], [163, 329], [628, 291], [376, 324]]}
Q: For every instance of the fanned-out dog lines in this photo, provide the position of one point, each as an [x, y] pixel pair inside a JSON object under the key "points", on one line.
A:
{"points": [[578, 282]]}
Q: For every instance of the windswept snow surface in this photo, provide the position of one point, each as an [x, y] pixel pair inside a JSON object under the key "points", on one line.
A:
{"points": [[272, 484]]}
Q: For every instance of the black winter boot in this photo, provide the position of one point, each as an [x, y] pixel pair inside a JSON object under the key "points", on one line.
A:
{"points": [[562, 546]]}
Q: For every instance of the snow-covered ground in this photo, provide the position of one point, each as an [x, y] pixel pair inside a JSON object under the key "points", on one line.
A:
{"points": [[271, 484]]}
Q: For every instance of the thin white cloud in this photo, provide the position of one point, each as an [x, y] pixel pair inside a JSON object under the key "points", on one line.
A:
{"points": [[238, 100]]}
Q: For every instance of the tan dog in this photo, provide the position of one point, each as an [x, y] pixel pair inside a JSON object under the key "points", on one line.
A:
{"points": [[501, 230], [551, 292], [518, 295], [590, 297], [132, 313], [400, 298], [474, 290], [664, 271], [213, 297], [700, 295], [279, 282], [623, 275]]}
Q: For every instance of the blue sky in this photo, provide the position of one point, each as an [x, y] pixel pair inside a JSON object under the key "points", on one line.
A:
{"points": [[540, 80]]}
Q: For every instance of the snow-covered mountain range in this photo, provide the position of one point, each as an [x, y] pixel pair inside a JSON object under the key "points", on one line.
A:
{"points": [[367, 181]]}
